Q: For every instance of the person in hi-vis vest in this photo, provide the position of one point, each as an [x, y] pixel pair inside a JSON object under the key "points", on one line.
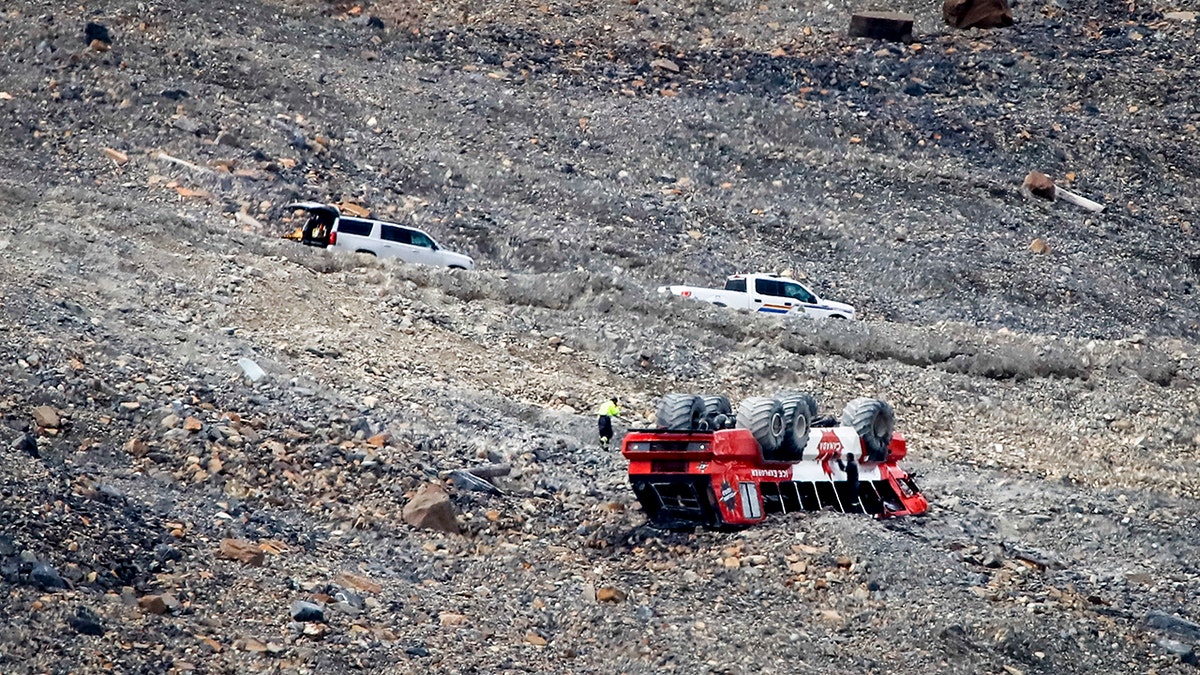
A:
{"points": [[607, 411]]}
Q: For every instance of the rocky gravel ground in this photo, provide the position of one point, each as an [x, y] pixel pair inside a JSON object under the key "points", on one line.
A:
{"points": [[164, 511]]}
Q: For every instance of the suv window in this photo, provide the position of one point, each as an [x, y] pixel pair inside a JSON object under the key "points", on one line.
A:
{"points": [[738, 285], [421, 239], [399, 235], [361, 228]]}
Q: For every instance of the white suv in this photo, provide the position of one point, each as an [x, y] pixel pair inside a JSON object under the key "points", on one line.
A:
{"points": [[327, 227]]}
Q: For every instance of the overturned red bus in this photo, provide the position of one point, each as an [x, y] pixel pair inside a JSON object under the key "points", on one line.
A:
{"points": [[730, 477]]}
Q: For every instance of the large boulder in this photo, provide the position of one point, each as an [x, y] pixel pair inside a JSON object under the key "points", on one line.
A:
{"points": [[430, 509], [977, 13]]}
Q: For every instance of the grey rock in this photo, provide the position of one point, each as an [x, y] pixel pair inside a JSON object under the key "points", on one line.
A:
{"points": [[346, 608], [46, 577], [188, 125], [1174, 625], [85, 622], [305, 611], [1175, 647], [252, 370], [96, 31], [27, 443]]}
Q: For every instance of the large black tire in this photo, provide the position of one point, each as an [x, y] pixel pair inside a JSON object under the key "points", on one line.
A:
{"points": [[717, 411], [764, 418], [680, 412], [874, 421], [799, 409], [809, 401]]}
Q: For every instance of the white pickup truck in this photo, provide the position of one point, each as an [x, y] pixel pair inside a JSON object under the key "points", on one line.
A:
{"points": [[767, 293]]}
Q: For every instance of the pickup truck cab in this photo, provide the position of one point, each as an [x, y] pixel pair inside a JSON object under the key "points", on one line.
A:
{"points": [[327, 227], [766, 293]]}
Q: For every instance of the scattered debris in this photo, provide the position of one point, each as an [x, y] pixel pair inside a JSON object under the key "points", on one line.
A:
{"points": [[250, 221], [465, 480], [490, 471], [252, 370], [1041, 185], [119, 158], [892, 26], [354, 209], [665, 64], [358, 582], [164, 157]]}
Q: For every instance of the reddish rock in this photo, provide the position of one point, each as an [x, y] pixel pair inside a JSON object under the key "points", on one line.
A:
{"points": [[158, 604], [611, 594], [1040, 184], [46, 417], [977, 13], [430, 509], [241, 550]]}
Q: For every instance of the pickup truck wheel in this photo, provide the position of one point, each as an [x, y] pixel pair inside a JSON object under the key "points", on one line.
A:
{"points": [[714, 408], [836, 316], [764, 418], [874, 421], [799, 410], [679, 412], [457, 267], [370, 253]]}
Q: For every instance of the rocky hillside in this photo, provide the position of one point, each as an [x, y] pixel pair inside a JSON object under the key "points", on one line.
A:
{"points": [[164, 512]]}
